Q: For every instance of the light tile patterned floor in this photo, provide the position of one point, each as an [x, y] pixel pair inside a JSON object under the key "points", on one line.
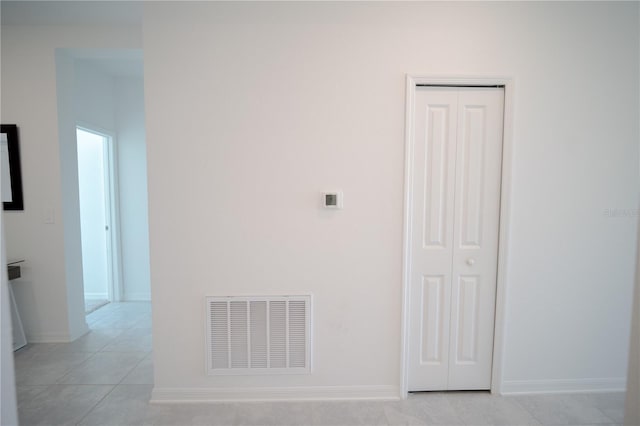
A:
{"points": [[105, 378], [91, 305]]}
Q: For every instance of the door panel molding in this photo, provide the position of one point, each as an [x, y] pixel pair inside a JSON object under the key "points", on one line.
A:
{"points": [[432, 339], [412, 83], [435, 193]]}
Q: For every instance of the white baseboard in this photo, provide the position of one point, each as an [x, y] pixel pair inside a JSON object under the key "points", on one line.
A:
{"points": [[48, 338], [137, 297], [311, 393], [81, 331], [104, 296], [59, 337], [614, 384]]}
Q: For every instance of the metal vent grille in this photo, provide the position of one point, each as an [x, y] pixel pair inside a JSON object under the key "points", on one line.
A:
{"points": [[258, 335]]}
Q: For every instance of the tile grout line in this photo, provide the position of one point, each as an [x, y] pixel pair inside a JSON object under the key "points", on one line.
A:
{"points": [[113, 387], [66, 350], [134, 367], [96, 404], [74, 367]]}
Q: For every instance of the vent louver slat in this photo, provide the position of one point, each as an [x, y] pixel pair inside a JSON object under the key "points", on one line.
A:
{"points": [[277, 334], [297, 334], [238, 330], [258, 335], [219, 331]]}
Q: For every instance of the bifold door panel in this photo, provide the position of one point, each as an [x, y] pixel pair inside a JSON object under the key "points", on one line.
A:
{"points": [[457, 155]]}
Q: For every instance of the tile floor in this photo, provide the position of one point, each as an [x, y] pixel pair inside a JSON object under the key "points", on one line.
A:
{"points": [[91, 305], [105, 378]]}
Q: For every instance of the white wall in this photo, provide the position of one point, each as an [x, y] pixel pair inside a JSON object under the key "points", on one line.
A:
{"points": [[632, 408], [8, 402], [132, 170], [50, 293], [254, 108], [94, 95], [69, 213]]}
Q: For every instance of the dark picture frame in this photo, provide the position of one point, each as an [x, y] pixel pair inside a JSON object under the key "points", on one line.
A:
{"points": [[15, 171]]}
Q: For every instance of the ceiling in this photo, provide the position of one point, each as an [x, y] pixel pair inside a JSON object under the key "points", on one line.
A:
{"points": [[87, 12], [116, 62]]}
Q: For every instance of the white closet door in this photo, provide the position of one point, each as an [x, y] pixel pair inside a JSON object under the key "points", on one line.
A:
{"points": [[432, 237], [454, 244], [476, 226]]}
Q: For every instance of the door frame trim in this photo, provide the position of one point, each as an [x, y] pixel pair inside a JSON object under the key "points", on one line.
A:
{"points": [[114, 247], [412, 82]]}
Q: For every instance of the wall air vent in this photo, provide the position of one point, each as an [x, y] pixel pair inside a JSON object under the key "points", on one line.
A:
{"points": [[258, 335]]}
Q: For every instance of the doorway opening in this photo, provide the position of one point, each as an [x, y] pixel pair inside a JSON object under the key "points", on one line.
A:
{"points": [[452, 328], [101, 123], [95, 190]]}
